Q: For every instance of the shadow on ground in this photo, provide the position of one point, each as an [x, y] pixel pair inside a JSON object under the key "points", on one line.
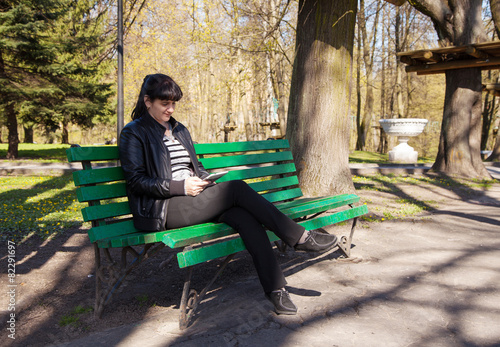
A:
{"points": [[425, 280]]}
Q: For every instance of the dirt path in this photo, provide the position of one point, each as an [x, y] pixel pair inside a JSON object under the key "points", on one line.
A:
{"points": [[55, 279]]}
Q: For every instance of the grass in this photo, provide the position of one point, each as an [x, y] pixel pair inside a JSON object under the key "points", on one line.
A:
{"points": [[377, 158], [48, 152], [37, 205], [142, 299], [74, 317], [404, 206], [57, 153]]}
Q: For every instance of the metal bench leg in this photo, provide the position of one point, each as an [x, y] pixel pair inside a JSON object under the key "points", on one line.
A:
{"points": [[190, 297], [345, 243], [113, 274]]}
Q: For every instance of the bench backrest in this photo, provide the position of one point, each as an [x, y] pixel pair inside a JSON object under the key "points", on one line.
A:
{"points": [[266, 165]]}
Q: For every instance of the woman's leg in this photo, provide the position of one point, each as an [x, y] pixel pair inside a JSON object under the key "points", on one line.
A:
{"points": [[257, 243], [215, 200]]}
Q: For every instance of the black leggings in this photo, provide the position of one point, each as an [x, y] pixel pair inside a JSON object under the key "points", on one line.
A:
{"points": [[239, 206]]}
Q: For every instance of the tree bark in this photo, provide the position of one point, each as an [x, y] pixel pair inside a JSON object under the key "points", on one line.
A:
{"points": [[382, 144], [65, 132], [28, 134], [13, 137], [6, 100], [495, 155], [495, 12], [318, 114], [489, 114], [399, 68], [368, 57], [360, 126], [459, 151]]}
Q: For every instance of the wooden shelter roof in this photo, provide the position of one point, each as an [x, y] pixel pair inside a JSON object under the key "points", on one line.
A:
{"points": [[484, 55]]}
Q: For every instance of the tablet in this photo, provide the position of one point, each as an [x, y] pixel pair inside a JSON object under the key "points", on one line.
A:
{"points": [[215, 176]]}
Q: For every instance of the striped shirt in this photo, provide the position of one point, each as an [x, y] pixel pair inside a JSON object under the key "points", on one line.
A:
{"points": [[179, 158]]}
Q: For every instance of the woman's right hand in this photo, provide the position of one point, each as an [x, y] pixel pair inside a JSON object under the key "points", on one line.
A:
{"points": [[195, 185]]}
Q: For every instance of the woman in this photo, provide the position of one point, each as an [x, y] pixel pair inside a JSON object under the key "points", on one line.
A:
{"points": [[166, 189]]}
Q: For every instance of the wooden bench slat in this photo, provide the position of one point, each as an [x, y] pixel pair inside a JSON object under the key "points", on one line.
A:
{"points": [[201, 255], [221, 249], [245, 159], [103, 191], [185, 236], [257, 172], [103, 175], [116, 209], [231, 147], [283, 195], [343, 199], [111, 230], [92, 153], [211, 231], [333, 218], [274, 183], [314, 207]]}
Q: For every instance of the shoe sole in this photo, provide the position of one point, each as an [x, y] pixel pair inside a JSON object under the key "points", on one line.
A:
{"points": [[288, 313]]}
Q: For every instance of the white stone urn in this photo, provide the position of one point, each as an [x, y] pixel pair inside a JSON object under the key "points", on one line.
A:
{"points": [[403, 128]]}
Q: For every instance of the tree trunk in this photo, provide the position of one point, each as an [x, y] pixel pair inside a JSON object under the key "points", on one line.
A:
{"points": [[399, 73], [360, 130], [318, 113], [459, 151], [495, 12], [368, 56], [489, 112], [495, 155], [10, 113], [65, 133], [13, 138], [382, 144], [28, 134], [459, 23]]}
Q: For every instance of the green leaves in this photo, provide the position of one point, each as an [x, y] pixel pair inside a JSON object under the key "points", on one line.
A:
{"points": [[52, 61]]}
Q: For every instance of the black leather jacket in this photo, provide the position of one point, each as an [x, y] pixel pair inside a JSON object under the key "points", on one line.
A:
{"points": [[146, 163]]}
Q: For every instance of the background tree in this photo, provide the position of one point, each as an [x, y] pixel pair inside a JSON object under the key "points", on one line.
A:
{"points": [[51, 65], [495, 12], [459, 23], [364, 122], [318, 113]]}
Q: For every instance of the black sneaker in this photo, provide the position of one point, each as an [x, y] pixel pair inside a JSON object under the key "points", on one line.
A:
{"points": [[282, 302], [317, 242]]}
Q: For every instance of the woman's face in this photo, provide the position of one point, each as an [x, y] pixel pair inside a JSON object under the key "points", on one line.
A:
{"points": [[161, 110]]}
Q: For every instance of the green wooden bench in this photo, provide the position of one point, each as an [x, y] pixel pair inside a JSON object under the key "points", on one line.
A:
{"points": [[267, 166]]}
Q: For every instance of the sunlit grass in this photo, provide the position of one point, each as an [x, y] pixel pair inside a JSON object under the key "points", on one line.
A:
{"points": [[409, 207], [37, 205], [56, 152], [377, 158]]}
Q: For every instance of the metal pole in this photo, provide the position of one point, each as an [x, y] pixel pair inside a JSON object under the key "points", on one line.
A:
{"points": [[120, 107]]}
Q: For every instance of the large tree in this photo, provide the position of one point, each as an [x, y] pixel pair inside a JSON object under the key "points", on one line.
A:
{"points": [[458, 23], [318, 113], [50, 65]]}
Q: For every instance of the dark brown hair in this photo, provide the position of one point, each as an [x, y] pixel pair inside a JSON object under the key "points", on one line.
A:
{"points": [[156, 86]]}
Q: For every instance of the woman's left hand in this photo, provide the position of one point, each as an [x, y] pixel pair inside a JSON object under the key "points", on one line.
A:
{"points": [[195, 185]]}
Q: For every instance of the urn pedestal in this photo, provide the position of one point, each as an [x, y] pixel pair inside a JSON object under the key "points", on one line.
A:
{"points": [[403, 128]]}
